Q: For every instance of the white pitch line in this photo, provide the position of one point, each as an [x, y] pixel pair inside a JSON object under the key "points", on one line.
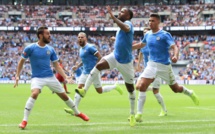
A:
{"points": [[115, 123], [201, 108]]}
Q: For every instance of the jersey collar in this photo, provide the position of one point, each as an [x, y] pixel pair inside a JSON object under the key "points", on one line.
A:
{"points": [[40, 46], [157, 31]]}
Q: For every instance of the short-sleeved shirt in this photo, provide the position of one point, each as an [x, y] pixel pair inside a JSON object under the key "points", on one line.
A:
{"points": [[123, 44], [40, 59], [89, 60], [158, 44]]}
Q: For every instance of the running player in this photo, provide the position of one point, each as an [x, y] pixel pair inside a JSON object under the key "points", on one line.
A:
{"points": [[159, 42], [121, 58], [89, 57]]}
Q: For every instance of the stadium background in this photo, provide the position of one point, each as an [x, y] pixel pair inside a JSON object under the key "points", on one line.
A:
{"points": [[191, 22]]}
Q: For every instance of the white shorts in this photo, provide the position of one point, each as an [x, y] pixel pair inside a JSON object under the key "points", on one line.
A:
{"points": [[162, 71], [51, 82], [96, 83], [155, 83], [77, 79], [127, 70]]}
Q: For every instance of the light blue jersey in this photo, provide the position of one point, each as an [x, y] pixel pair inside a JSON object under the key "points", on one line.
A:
{"points": [[159, 44], [89, 60], [40, 58], [145, 52], [123, 44]]}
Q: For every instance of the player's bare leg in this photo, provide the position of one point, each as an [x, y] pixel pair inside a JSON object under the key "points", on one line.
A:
{"points": [[65, 87], [181, 89]]}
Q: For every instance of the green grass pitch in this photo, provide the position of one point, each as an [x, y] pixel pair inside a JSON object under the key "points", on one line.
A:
{"points": [[108, 112]]}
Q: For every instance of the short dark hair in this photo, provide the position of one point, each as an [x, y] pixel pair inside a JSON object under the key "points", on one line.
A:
{"points": [[130, 13], [40, 30], [156, 16]]}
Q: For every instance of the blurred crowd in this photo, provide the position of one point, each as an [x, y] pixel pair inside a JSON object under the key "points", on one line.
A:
{"points": [[201, 66], [13, 43], [97, 16], [202, 59]]}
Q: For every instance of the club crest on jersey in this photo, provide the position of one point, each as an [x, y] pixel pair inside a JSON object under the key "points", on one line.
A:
{"points": [[48, 52], [158, 38], [24, 53]]}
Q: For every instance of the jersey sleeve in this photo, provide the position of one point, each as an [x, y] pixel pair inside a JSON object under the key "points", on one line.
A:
{"points": [[53, 57], [93, 50], [144, 39], [129, 24], [169, 39], [26, 52]]}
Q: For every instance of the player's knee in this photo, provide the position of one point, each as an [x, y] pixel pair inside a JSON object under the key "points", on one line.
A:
{"points": [[99, 90], [175, 88], [138, 87], [175, 91], [34, 95], [130, 87], [99, 66], [63, 96], [80, 86], [155, 90], [142, 87]]}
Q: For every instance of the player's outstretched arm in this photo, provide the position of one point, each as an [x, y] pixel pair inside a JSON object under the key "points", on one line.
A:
{"points": [[138, 45], [122, 25], [74, 68], [176, 53], [98, 55], [19, 68], [62, 73], [140, 59]]}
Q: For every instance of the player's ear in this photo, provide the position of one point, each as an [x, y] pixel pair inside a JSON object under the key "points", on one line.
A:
{"points": [[40, 36]]}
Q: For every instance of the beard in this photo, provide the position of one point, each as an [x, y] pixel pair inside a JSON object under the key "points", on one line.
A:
{"points": [[46, 41], [82, 43], [120, 18]]}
